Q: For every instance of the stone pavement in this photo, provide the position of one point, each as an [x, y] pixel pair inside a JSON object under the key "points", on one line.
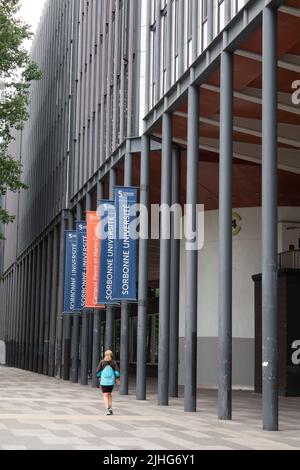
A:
{"points": [[38, 412]]}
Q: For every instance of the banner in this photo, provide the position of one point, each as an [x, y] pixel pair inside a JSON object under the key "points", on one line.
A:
{"points": [[107, 252], [70, 272], [124, 285], [93, 259], [81, 266]]}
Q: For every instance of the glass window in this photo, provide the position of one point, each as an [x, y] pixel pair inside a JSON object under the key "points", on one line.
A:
{"points": [[204, 27], [221, 15]]}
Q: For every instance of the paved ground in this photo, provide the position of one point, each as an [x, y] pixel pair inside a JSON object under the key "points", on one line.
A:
{"points": [[41, 413]]}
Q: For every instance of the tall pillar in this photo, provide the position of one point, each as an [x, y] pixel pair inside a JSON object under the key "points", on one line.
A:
{"points": [[84, 370], [28, 303], [190, 390], [53, 311], [31, 257], [24, 311], [33, 306], [110, 317], [60, 293], [174, 280], [84, 349], [269, 223], [143, 271], [225, 238], [19, 306], [75, 348], [37, 308], [49, 290], [96, 346], [124, 346], [38, 362], [97, 317], [67, 326], [165, 259], [76, 326]]}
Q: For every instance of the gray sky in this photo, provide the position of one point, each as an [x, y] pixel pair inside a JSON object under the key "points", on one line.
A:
{"points": [[31, 12]]}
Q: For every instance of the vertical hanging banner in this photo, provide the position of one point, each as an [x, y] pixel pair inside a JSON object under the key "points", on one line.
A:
{"points": [[107, 252], [124, 286], [93, 259], [70, 272], [81, 266]]}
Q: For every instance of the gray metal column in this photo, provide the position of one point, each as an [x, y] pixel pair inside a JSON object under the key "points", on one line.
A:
{"points": [[75, 348], [97, 317], [50, 359], [96, 346], [225, 238], [48, 304], [174, 280], [44, 325], [124, 346], [35, 334], [84, 369], [31, 268], [143, 272], [269, 223], [75, 340], [24, 310], [32, 309], [165, 260], [60, 292], [84, 349], [67, 325], [109, 329], [190, 390]]}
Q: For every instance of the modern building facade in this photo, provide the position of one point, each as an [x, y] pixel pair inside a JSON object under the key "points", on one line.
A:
{"points": [[191, 101]]}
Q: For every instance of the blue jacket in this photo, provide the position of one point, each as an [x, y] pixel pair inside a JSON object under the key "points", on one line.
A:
{"points": [[107, 374]]}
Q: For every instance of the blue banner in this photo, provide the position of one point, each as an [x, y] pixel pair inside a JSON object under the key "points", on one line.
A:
{"points": [[124, 285], [70, 272], [81, 265], [107, 252]]}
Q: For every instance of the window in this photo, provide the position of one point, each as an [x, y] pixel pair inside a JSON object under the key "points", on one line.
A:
{"points": [[164, 32], [189, 32], [239, 4], [204, 22], [176, 37], [221, 15]]}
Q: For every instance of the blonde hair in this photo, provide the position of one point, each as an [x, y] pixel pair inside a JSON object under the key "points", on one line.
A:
{"points": [[108, 356]]}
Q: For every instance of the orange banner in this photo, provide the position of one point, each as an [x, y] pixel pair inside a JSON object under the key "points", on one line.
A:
{"points": [[93, 259]]}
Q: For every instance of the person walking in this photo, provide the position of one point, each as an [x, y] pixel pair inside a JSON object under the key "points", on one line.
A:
{"points": [[109, 375]]}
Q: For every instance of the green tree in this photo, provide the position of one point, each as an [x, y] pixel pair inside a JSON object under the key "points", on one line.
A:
{"points": [[17, 72]]}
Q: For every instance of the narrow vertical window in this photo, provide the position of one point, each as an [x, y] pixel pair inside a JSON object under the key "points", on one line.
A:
{"points": [[204, 24]]}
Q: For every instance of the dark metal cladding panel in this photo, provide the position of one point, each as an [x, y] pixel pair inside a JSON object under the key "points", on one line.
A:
{"points": [[78, 118]]}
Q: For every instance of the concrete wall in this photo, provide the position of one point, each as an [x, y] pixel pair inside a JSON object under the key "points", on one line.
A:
{"points": [[246, 262]]}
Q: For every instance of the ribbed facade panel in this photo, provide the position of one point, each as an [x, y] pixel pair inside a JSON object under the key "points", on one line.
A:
{"points": [[45, 137]]}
